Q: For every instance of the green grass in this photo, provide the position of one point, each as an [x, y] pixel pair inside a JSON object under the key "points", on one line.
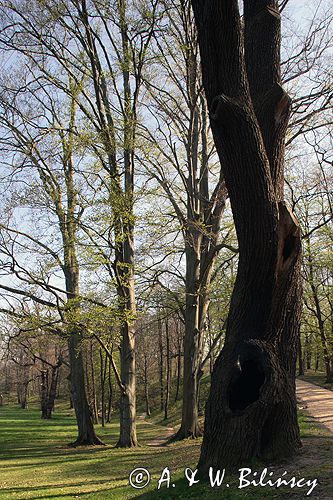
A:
{"points": [[35, 462], [317, 378]]}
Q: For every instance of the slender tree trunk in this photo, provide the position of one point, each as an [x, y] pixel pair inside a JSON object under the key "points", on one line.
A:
{"points": [[44, 392], [52, 391], [179, 368], [317, 360], [24, 396], [93, 385], [308, 352], [71, 406], [161, 362], [192, 343], [168, 370], [146, 386], [300, 358], [328, 354], [108, 418], [103, 368]]}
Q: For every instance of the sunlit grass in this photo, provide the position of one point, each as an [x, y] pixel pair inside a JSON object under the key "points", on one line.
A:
{"points": [[35, 461]]}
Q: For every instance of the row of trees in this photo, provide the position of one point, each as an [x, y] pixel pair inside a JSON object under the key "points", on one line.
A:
{"points": [[105, 134]]}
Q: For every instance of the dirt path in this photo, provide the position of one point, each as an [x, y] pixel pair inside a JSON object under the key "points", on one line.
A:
{"points": [[317, 401], [165, 435], [163, 438]]}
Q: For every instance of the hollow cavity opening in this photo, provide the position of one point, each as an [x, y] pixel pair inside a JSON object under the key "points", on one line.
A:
{"points": [[289, 246], [245, 389]]}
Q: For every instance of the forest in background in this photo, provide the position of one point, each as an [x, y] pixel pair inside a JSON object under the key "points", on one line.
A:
{"points": [[118, 251]]}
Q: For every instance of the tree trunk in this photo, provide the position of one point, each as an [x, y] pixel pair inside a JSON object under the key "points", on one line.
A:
{"points": [[93, 385], [127, 306], [324, 342], [300, 358], [103, 368], [161, 358], [179, 367], [52, 391], [108, 418], [86, 433], [251, 411], [24, 397], [127, 438], [192, 343], [168, 370], [44, 391], [146, 386], [329, 372], [308, 352]]}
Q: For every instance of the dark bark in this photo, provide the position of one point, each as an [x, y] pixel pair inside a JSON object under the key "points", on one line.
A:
{"points": [[251, 411], [103, 369], [127, 438], [93, 385], [86, 433], [52, 390], [49, 389], [327, 349], [192, 342], [168, 370], [24, 397], [161, 362], [179, 367], [124, 265], [124, 234], [68, 227], [317, 361], [108, 417], [127, 306], [308, 352], [300, 358], [146, 386], [44, 389]]}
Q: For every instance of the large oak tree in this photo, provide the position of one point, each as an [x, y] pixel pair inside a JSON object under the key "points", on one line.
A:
{"points": [[251, 410]]}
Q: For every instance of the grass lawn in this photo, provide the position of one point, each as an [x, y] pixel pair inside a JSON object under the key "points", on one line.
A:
{"points": [[36, 463]]}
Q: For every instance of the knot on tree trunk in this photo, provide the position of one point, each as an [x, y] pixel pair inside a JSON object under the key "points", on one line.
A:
{"points": [[224, 108], [261, 14], [276, 104]]}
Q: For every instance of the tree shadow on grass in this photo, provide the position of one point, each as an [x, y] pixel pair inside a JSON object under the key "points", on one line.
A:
{"points": [[52, 491]]}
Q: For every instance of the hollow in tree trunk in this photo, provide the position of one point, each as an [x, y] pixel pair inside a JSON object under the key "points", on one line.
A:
{"points": [[251, 411]]}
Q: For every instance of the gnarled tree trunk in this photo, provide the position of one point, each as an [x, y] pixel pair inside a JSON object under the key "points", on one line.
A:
{"points": [[251, 411]]}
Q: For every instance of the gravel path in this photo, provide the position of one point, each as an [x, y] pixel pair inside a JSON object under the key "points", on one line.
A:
{"points": [[317, 401]]}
